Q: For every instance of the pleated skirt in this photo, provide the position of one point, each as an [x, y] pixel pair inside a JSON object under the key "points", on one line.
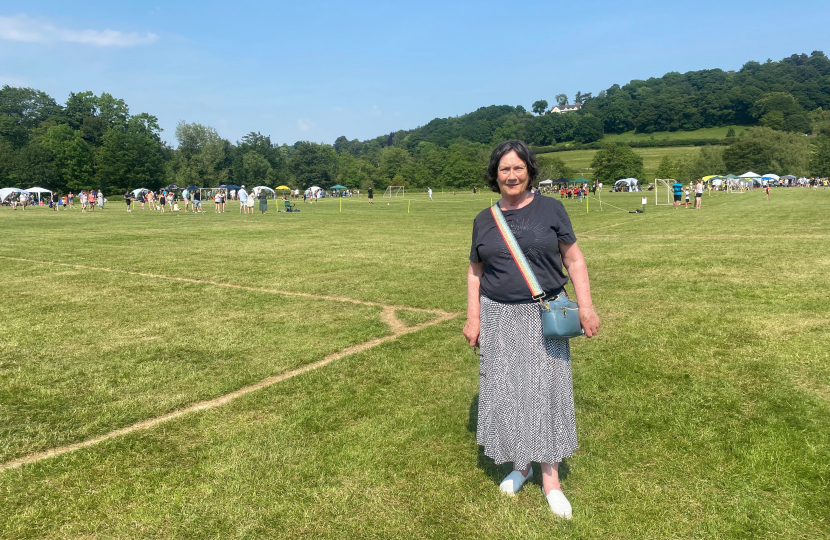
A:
{"points": [[525, 404]]}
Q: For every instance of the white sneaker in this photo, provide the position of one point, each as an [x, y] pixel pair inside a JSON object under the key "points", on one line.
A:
{"points": [[514, 481], [559, 504]]}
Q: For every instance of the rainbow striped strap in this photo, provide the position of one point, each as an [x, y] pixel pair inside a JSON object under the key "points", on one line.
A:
{"points": [[536, 291]]}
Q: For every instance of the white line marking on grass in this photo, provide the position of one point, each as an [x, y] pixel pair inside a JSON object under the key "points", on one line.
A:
{"points": [[387, 316], [229, 285]]}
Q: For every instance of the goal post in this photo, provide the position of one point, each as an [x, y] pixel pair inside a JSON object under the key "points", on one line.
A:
{"points": [[735, 185], [394, 191], [663, 183]]}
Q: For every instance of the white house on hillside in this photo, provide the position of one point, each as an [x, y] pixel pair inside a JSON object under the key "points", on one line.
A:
{"points": [[566, 108]]}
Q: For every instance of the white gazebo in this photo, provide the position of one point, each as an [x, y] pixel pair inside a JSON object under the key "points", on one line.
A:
{"points": [[632, 183], [547, 182], [750, 174], [5, 192], [39, 191]]}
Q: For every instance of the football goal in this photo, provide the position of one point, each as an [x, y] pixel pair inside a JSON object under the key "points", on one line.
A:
{"points": [[659, 185], [394, 191], [735, 186]]}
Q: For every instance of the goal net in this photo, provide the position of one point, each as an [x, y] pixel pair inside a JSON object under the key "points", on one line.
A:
{"points": [[735, 185], [661, 185], [394, 191]]}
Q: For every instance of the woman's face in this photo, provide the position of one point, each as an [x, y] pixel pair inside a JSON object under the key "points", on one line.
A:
{"points": [[513, 177]]}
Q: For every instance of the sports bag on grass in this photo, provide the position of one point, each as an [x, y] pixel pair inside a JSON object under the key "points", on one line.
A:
{"points": [[560, 316]]}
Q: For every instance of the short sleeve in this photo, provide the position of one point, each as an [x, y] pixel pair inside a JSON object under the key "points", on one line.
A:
{"points": [[562, 225], [474, 258]]}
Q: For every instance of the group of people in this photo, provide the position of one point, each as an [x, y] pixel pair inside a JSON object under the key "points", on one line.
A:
{"points": [[677, 189], [89, 200], [575, 192], [157, 200]]}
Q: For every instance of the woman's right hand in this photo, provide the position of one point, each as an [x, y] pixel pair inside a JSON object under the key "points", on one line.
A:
{"points": [[472, 329]]}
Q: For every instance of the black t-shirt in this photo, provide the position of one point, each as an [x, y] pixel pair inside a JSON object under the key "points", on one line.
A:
{"points": [[197, 196], [370, 193], [538, 228]]}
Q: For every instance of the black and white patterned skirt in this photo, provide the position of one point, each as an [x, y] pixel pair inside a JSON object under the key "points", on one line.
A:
{"points": [[525, 404]]}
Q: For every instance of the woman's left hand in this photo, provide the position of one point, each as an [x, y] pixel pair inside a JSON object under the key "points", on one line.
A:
{"points": [[590, 321]]}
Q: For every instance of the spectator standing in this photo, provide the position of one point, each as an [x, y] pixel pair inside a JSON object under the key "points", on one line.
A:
{"points": [[677, 188], [371, 199], [243, 200], [197, 201], [699, 194]]}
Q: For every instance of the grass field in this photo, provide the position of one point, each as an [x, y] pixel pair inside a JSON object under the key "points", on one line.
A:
{"points": [[703, 408], [703, 133], [580, 160]]}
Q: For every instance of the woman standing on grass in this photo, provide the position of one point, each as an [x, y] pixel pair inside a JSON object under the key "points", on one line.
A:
{"points": [[526, 407], [263, 200]]}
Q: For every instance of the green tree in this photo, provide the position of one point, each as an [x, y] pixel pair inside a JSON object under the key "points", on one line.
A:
{"points": [[553, 168], [313, 164], [820, 161], [615, 161], [667, 169], [393, 162], [203, 151], [561, 99], [765, 150], [34, 165], [773, 120], [588, 129], [257, 170], [131, 156], [464, 166], [72, 156], [730, 132], [540, 107]]}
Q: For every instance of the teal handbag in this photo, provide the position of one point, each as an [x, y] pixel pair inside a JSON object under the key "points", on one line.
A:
{"points": [[560, 316]]}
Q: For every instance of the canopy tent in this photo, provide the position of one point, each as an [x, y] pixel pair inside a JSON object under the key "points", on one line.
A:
{"points": [[730, 177], [139, 191], [232, 186], [172, 187], [5, 192], [38, 191], [578, 181], [562, 180], [771, 176], [338, 186], [710, 177], [282, 188], [632, 183], [193, 188], [788, 177], [547, 182], [750, 174], [257, 189]]}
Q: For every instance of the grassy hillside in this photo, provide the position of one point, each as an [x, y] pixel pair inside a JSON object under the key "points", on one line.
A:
{"points": [[703, 133], [580, 160]]}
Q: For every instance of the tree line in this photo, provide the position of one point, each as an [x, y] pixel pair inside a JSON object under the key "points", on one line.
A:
{"points": [[95, 142]]}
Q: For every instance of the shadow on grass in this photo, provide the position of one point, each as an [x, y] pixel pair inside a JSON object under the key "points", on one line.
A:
{"points": [[496, 472]]}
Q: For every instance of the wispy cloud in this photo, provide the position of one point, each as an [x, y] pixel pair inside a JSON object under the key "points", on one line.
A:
{"points": [[22, 28], [306, 125]]}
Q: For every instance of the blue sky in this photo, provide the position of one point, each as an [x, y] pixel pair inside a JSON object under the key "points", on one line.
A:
{"points": [[316, 70]]}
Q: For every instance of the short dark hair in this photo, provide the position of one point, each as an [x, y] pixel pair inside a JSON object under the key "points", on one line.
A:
{"points": [[522, 151]]}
